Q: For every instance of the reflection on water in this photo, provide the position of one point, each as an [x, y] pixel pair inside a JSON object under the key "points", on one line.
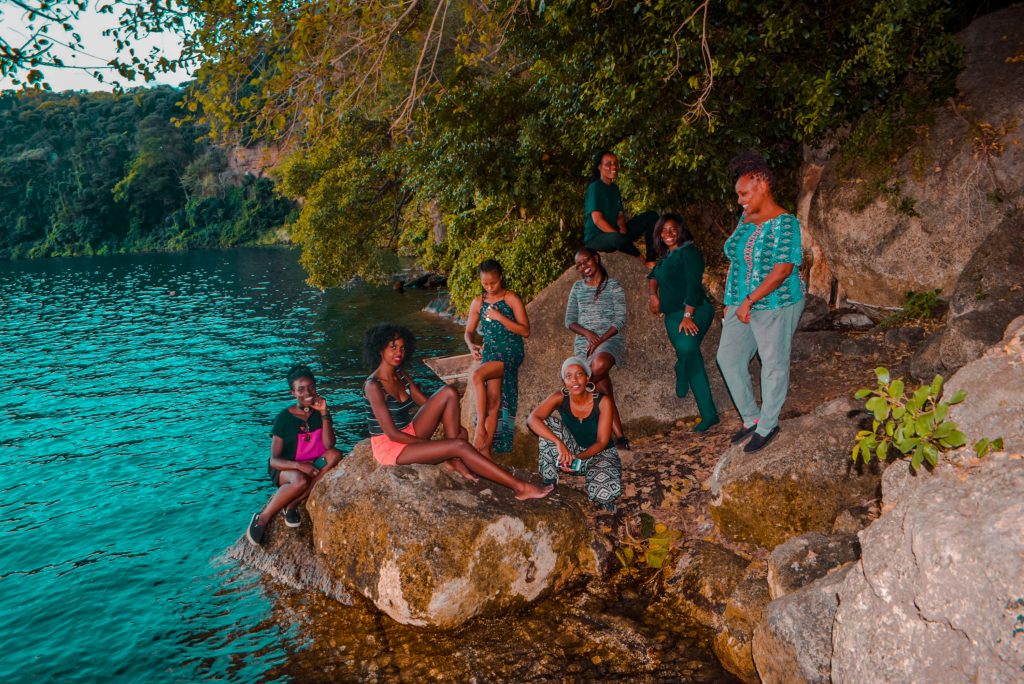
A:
{"points": [[136, 397], [576, 636]]}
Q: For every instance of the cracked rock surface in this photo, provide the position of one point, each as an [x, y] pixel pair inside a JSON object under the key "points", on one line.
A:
{"points": [[939, 591]]}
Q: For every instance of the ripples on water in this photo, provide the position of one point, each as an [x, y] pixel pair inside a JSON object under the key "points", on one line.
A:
{"points": [[136, 397]]}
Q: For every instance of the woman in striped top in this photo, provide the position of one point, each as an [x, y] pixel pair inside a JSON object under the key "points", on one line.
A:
{"points": [[596, 312], [401, 436]]}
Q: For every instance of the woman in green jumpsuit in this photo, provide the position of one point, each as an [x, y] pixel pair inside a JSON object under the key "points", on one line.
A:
{"points": [[677, 291]]}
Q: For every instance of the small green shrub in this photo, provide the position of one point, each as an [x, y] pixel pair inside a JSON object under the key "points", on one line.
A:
{"points": [[917, 306], [647, 557], [915, 425]]}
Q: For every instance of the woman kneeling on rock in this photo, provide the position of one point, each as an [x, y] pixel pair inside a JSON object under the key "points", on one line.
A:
{"points": [[578, 439], [398, 437]]}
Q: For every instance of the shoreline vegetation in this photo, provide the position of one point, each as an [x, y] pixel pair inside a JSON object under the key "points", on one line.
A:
{"points": [[95, 173]]}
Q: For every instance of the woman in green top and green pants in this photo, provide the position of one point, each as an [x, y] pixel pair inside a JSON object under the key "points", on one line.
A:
{"points": [[677, 290], [605, 227]]}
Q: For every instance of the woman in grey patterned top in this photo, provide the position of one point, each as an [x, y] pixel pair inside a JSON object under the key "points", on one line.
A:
{"points": [[596, 312]]}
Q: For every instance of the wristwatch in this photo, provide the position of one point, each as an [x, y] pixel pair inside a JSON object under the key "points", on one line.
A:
{"points": [[687, 314]]}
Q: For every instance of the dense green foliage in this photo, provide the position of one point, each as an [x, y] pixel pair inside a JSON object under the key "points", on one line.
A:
{"points": [[458, 129], [98, 173], [465, 127]]}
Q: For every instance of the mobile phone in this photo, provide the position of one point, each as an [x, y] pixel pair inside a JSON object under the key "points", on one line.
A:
{"points": [[576, 465]]}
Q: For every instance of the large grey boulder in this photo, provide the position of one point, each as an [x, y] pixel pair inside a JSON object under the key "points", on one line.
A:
{"points": [[987, 296], [287, 556], [743, 612], [799, 483], [935, 595], [702, 580], [427, 547], [793, 644], [939, 591], [995, 392], [964, 175], [804, 559]]}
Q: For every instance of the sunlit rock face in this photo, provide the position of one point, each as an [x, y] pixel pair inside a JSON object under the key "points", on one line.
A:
{"points": [[429, 548], [801, 482], [959, 181]]}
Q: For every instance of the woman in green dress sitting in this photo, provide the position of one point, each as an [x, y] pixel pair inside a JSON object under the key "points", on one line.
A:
{"points": [[677, 291]]}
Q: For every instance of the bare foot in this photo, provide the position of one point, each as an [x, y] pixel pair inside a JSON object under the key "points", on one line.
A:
{"points": [[456, 465], [532, 491]]}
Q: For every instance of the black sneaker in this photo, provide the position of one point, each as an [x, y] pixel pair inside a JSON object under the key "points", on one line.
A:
{"points": [[757, 442], [292, 517], [742, 434], [256, 531]]}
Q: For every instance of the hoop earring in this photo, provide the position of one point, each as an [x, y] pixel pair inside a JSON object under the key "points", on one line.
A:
{"points": [[565, 391], [591, 387]]}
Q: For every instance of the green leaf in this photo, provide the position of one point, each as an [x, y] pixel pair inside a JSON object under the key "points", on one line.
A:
{"points": [[915, 460], [879, 406], [898, 412], [956, 439], [861, 393], [931, 453], [896, 389], [908, 445], [936, 385], [882, 374], [924, 424], [958, 396], [882, 451]]}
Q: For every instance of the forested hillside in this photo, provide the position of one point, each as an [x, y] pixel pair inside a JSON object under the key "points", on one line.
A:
{"points": [[96, 173]]}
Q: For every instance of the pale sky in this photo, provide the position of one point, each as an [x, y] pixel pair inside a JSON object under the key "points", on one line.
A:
{"points": [[100, 49]]}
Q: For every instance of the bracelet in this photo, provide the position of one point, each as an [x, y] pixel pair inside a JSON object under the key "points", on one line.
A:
{"points": [[326, 416], [687, 314]]}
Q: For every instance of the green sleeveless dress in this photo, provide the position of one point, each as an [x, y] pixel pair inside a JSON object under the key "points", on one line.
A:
{"points": [[501, 344]]}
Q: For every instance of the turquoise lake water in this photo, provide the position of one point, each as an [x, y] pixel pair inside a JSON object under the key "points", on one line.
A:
{"points": [[136, 398]]}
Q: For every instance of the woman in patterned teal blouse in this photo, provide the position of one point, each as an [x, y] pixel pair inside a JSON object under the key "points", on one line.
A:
{"points": [[677, 291], [500, 318], [764, 298]]}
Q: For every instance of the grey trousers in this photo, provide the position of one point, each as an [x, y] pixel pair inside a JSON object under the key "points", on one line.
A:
{"points": [[769, 335], [602, 471]]}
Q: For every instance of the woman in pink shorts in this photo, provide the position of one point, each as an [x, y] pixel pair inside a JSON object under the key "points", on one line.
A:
{"points": [[402, 420]]}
